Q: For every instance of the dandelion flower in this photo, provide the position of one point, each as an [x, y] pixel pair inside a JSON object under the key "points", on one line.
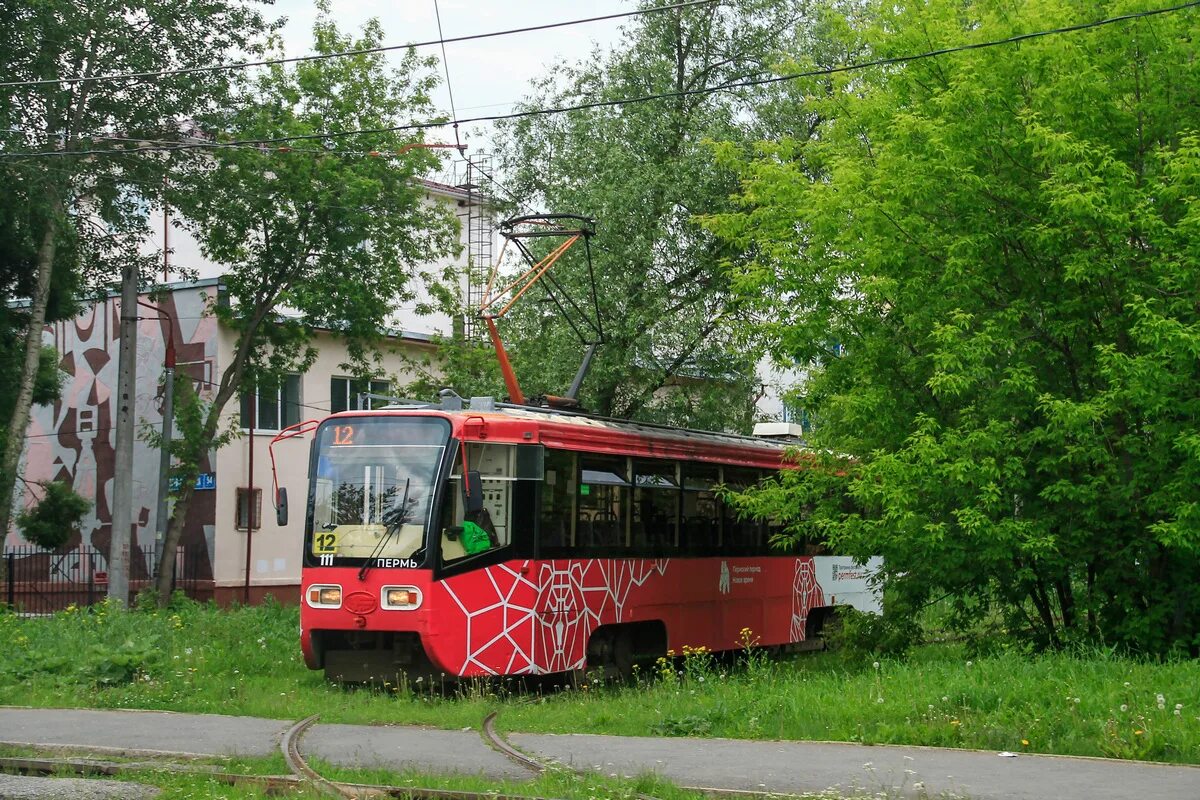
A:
{"points": [[876, 665], [1124, 707], [1025, 743]]}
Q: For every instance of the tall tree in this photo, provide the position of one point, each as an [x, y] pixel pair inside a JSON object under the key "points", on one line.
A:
{"points": [[331, 229], [95, 205], [990, 261], [678, 348]]}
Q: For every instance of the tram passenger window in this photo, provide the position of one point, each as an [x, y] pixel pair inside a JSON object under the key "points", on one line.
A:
{"points": [[603, 507], [508, 476], [701, 509], [743, 534], [558, 494], [655, 506]]}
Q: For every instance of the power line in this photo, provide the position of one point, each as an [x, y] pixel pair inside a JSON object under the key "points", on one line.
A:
{"points": [[120, 76], [446, 67], [729, 85]]}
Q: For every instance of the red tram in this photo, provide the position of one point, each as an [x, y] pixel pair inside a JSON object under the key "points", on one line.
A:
{"points": [[605, 541]]}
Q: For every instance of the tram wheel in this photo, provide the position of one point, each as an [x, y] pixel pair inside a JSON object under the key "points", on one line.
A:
{"points": [[610, 650]]}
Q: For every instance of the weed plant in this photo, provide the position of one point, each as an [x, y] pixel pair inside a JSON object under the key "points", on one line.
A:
{"points": [[198, 658]]}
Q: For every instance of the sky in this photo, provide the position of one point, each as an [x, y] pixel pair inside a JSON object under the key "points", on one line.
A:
{"points": [[489, 75]]}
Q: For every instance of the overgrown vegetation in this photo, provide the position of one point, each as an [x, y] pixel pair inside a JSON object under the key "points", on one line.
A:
{"points": [[247, 661], [988, 262]]}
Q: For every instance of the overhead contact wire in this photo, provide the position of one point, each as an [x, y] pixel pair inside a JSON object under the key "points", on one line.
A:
{"points": [[739, 84], [122, 76]]}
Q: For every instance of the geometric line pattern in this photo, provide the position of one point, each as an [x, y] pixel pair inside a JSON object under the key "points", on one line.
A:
{"points": [[515, 625], [806, 595]]}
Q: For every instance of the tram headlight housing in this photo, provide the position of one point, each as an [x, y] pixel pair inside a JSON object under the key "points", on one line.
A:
{"points": [[324, 596], [401, 598]]}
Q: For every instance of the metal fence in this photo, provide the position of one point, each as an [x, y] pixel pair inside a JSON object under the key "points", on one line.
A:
{"points": [[41, 581]]}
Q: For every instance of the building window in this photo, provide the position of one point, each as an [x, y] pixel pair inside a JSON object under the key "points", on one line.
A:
{"points": [[343, 393], [278, 405], [245, 507]]}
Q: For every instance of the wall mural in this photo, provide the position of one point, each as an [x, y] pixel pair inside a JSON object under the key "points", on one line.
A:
{"points": [[72, 439]]}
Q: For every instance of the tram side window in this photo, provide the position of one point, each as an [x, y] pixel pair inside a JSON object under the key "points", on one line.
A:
{"points": [[558, 494], [742, 535], [603, 507], [655, 506], [508, 474], [701, 509]]}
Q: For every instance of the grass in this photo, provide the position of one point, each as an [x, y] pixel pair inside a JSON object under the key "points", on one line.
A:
{"points": [[246, 661]]}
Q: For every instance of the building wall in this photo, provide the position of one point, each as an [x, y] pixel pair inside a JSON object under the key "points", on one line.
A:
{"points": [[73, 439], [275, 551]]}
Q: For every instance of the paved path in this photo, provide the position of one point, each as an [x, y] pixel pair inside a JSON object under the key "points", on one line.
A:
{"points": [[717, 763]]}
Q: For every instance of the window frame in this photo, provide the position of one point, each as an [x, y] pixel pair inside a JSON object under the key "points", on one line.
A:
{"points": [[281, 404], [239, 503], [351, 395]]}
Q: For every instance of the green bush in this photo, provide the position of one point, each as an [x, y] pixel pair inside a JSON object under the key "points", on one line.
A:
{"points": [[860, 636], [51, 523]]}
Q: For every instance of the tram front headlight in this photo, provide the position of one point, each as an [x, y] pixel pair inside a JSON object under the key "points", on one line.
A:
{"points": [[401, 597], [325, 596]]}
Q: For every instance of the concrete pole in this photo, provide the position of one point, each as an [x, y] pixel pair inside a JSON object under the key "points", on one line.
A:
{"points": [[122, 495], [251, 507]]}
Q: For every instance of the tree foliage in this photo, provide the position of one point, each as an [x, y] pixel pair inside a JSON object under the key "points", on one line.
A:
{"points": [[678, 348], [318, 234], [73, 219], [990, 260], [56, 516]]}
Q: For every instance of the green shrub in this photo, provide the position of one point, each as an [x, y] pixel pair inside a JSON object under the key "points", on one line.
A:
{"points": [[860, 636], [51, 523]]}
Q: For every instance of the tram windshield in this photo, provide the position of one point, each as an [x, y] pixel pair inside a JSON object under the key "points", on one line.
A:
{"points": [[373, 487]]}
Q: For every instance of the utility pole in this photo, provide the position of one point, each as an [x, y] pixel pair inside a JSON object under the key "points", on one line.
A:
{"points": [[251, 507], [164, 456], [122, 495]]}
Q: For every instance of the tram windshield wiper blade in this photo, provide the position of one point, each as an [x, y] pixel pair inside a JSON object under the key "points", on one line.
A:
{"points": [[397, 522]]}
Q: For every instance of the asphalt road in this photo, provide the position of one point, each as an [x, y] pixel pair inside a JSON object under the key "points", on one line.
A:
{"points": [[792, 767]]}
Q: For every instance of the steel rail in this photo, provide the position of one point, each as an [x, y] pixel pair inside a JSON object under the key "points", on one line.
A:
{"points": [[501, 744], [290, 745], [49, 767]]}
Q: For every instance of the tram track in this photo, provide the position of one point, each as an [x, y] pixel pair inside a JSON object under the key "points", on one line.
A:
{"points": [[302, 773]]}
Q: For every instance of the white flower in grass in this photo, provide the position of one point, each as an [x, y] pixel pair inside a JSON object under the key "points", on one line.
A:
{"points": [[1124, 707]]}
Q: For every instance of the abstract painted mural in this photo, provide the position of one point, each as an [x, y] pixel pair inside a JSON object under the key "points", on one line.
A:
{"points": [[72, 440]]}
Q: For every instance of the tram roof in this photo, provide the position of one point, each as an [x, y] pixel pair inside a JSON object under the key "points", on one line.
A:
{"points": [[582, 431]]}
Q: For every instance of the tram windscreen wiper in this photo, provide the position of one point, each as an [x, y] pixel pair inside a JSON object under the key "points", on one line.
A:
{"points": [[398, 516]]}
